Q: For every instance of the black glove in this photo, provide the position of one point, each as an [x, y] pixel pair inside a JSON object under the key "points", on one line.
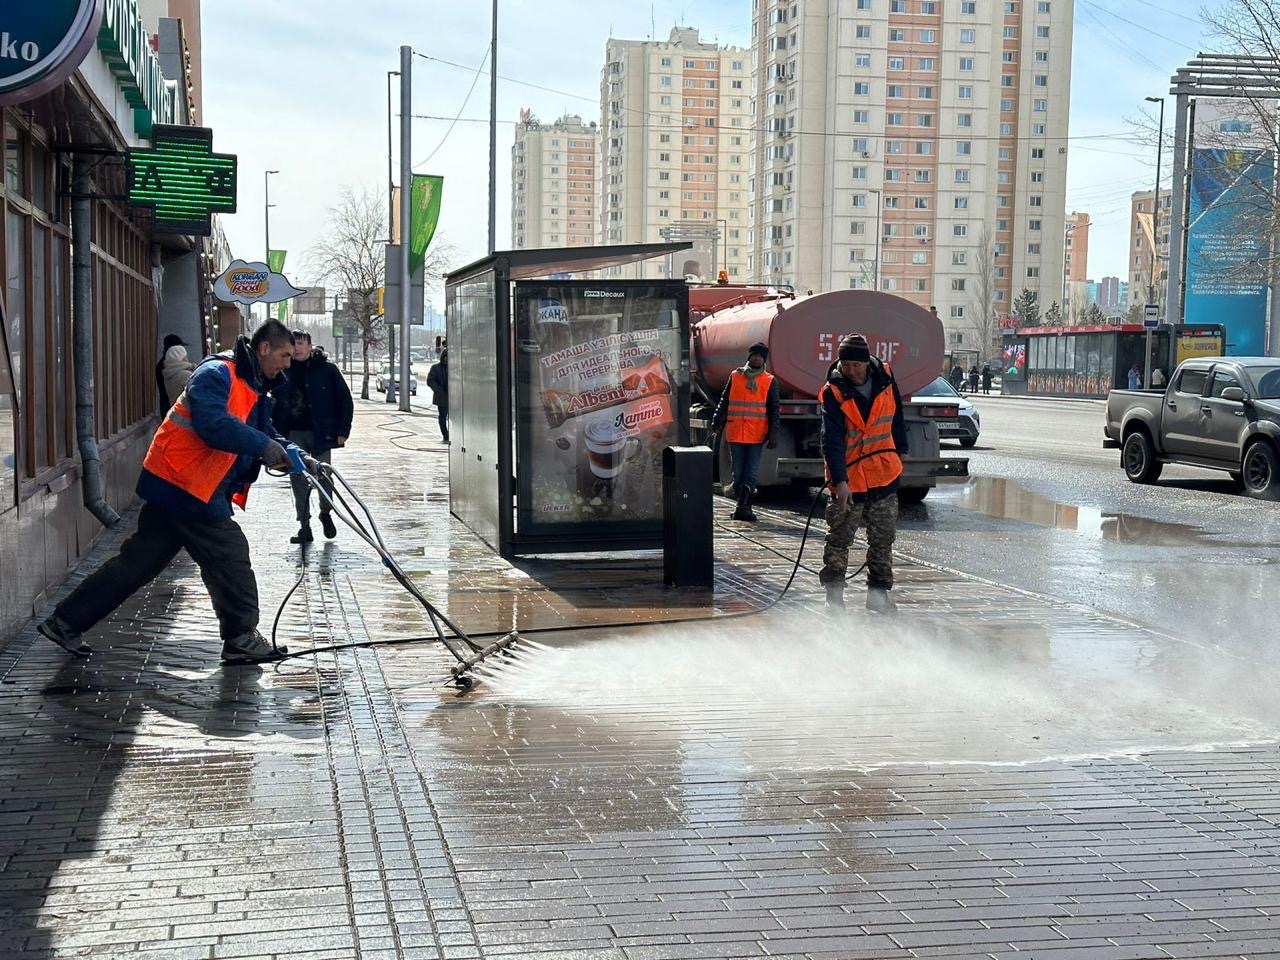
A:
{"points": [[772, 442], [274, 456]]}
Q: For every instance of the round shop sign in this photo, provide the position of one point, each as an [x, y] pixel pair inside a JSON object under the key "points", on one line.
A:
{"points": [[42, 43]]}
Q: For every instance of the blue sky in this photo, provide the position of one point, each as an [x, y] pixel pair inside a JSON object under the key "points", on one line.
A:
{"points": [[302, 88]]}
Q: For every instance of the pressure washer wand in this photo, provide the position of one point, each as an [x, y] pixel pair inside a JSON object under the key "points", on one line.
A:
{"points": [[468, 653]]}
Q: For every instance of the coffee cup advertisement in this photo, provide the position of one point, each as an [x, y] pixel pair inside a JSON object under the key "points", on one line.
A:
{"points": [[602, 404]]}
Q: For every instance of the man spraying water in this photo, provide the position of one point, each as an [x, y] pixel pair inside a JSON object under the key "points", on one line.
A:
{"points": [[864, 438]]}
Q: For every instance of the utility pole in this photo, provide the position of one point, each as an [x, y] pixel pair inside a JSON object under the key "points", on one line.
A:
{"points": [[493, 134], [1155, 244], [406, 189], [266, 222], [875, 267], [392, 379]]}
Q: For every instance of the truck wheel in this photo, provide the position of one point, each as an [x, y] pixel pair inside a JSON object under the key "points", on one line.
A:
{"points": [[1138, 457], [1261, 469], [912, 495], [969, 442]]}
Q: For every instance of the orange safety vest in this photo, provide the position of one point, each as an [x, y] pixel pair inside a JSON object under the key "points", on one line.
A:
{"points": [[870, 457], [179, 456], [748, 419]]}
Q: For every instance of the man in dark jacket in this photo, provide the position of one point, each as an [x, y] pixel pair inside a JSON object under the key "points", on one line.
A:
{"points": [[207, 452], [313, 409], [166, 401], [438, 383], [864, 438]]}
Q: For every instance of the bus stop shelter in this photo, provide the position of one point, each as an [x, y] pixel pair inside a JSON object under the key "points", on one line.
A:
{"points": [[563, 393]]}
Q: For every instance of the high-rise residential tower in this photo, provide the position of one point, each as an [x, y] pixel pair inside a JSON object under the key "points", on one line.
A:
{"points": [[675, 136], [914, 145], [553, 172]]}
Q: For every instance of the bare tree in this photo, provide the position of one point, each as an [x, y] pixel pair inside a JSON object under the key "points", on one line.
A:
{"points": [[983, 304], [1077, 303], [352, 257]]}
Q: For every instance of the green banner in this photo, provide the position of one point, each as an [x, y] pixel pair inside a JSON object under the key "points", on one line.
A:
{"points": [[424, 214], [275, 263]]}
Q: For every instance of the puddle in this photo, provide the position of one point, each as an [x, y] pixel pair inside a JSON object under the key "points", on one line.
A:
{"points": [[1009, 500]]}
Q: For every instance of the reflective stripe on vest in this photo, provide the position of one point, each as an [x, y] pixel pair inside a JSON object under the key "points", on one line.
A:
{"points": [[748, 419], [870, 457], [179, 456]]}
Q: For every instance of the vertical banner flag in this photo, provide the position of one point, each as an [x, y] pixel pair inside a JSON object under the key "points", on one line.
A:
{"points": [[424, 214], [275, 260]]}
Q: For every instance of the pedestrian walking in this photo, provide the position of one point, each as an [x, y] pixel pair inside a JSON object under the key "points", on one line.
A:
{"points": [[438, 384], [973, 379], [1158, 378], [987, 377], [747, 418], [166, 401], [313, 408], [957, 377], [208, 450], [1135, 376], [864, 438], [177, 369]]}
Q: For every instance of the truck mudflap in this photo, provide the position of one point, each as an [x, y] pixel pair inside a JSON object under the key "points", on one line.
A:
{"points": [[914, 472]]}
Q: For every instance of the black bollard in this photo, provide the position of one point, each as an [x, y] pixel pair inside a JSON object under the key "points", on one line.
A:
{"points": [[688, 546]]}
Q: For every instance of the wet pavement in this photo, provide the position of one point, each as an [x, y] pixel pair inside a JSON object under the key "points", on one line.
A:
{"points": [[999, 772]]}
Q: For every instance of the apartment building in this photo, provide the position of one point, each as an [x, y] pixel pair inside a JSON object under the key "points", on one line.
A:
{"points": [[914, 145], [675, 140], [553, 174], [1076, 256], [1147, 273]]}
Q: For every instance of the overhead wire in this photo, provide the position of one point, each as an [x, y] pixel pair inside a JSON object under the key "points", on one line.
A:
{"points": [[465, 100]]}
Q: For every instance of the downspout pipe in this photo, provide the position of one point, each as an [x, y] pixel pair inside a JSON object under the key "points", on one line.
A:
{"points": [[92, 483]]}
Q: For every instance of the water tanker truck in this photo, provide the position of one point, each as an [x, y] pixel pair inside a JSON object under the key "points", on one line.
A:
{"points": [[803, 334]]}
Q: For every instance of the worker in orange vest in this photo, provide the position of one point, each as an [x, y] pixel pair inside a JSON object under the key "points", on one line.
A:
{"points": [[864, 438], [202, 459], [747, 419]]}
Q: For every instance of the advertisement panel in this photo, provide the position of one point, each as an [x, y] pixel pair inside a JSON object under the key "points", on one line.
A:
{"points": [[601, 391], [1227, 245], [1013, 360]]}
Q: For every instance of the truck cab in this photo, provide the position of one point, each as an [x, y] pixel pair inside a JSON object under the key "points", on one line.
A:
{"points": [[1220, 413]]}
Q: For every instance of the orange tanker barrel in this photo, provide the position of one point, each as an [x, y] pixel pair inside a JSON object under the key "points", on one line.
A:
{"points": [[803, 336]]}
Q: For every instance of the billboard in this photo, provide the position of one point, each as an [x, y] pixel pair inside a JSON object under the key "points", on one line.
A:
{"points": [[1227, 245], [601, 391]]}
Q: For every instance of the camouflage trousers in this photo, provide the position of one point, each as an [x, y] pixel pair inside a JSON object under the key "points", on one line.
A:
{"points": [[881, 520]]}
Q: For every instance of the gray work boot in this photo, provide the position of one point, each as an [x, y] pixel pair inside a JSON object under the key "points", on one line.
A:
{"points": [[835, 595], [879, 601], [57, 631], [251, 648]]}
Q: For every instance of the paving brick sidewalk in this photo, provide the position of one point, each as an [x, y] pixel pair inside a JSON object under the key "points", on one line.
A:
{"points": [[992, 775]]}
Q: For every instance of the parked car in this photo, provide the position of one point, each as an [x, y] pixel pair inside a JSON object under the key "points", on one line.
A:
{"points": [[1217, 412], [385, 378], [967, 426]]}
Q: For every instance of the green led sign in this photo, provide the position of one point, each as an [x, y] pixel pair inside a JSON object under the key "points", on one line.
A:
{"points": [[182, 180]]}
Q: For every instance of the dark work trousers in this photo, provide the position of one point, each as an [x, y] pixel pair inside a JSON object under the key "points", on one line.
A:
{"points": [[301, 485], [220, 550], [443, 411]]}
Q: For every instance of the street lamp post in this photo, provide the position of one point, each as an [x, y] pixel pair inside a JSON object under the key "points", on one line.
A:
{"points": [[1155, 238], [266, 221], [391, 183], [722, 257], [392, 379], [875, 267], [1065, 237]]}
